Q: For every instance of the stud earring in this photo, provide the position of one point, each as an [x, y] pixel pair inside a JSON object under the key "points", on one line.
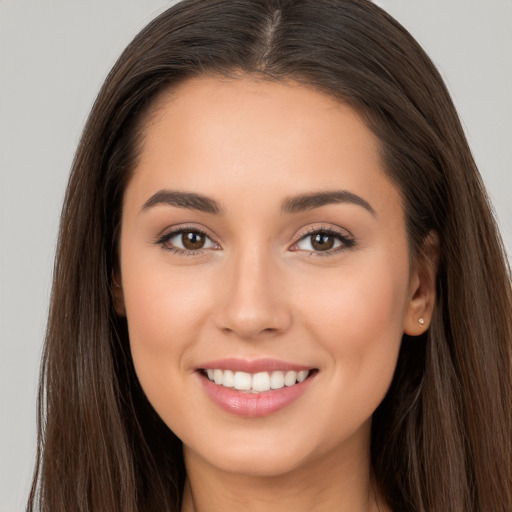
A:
{"points": [[421, 321]]}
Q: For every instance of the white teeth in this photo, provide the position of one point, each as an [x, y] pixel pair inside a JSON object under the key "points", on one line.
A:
{"points": [[290, 378], [228, 379], [276, 380], [261, 381], [242, 381], [258, 382], [301, 376], [218, 376]]}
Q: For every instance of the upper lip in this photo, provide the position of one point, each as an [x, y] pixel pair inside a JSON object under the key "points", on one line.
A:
{"points": [[253, 366]]}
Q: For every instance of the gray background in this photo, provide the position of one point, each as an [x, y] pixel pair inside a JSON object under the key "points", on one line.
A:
{"points": [[54, 55]]}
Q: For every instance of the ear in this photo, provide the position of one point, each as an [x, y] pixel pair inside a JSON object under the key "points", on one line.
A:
{"points": [[422, 288], [117, 293]]}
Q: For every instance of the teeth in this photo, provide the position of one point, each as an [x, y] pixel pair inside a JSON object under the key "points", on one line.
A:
{"points": [[258, 382], [276, 380], [301, 376], [218, 376], [261, 381], [228, 379], [242, 381], [290, 378]]}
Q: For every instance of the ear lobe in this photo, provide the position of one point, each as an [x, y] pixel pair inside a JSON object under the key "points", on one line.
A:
{"points": [[422, 291], [117, 295]]}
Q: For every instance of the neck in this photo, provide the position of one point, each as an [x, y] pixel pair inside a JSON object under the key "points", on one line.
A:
{"points": [[322, 485]]}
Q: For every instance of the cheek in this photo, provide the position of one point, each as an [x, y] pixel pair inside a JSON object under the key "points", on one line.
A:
{"points": [[358, 301], [357, 318], [165, 313], [161, 307], [162, 301]]}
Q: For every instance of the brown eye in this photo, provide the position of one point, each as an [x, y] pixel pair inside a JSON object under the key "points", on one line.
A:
{"points": [[193, 240], [322, 241], [187, 240]]}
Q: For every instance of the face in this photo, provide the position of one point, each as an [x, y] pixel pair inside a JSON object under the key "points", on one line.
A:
{"points": [[265, 274]]}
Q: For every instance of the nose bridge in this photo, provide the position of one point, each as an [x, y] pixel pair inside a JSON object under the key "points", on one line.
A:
{"points": [[254, 301]]}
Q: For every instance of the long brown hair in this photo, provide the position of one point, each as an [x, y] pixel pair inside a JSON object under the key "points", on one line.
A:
{"points": [[441, 439]]}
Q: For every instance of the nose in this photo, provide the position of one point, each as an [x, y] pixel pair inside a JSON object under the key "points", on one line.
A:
{"points": [[253, 302]]}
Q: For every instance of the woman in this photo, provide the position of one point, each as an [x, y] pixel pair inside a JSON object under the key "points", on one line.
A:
{"points": [[278, 281]]}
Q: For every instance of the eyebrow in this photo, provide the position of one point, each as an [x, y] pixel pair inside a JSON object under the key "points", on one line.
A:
{"points": [[293, 204], [317, 199], [187, 200]]}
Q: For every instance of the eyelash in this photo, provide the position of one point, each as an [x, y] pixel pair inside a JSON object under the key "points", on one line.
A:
{"points": [[346, 241], [164, 239]]}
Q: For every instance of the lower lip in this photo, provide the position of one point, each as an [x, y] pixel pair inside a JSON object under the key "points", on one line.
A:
{"points": [[252, 405]]}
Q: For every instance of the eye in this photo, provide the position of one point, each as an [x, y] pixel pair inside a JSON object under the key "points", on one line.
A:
{"points": [[323, 240], [187, 240]]}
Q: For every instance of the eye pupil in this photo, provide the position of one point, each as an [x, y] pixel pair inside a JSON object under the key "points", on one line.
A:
{"points": [[322, 241], [192, 240]]}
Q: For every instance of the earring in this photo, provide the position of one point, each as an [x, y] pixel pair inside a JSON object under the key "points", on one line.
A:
{"points": [[421, 321]]}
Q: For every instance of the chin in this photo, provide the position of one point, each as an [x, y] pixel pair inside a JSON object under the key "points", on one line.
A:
{"points": [[257, 462], [264, 452]]}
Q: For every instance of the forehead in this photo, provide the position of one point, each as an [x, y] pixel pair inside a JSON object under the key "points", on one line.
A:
{"points": [[213, 134], [270, 111]]}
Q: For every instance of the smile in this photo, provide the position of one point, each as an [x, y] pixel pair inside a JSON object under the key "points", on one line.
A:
{"points": [[254, 388], [257, 382]]}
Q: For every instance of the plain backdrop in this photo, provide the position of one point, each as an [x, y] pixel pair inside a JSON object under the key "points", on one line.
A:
{"points": [[54, 55]]}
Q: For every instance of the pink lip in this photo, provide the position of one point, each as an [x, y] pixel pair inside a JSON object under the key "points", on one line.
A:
{"points": [[252, 405], [253, 366]]}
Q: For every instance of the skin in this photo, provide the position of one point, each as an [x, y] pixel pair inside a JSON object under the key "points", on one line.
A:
{"points": [[258, 290]]}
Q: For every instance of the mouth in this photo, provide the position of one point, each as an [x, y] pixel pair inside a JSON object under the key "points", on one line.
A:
{"points": [[255, 388], [256, 383]]}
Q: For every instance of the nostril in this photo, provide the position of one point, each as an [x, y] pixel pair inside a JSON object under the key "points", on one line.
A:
{"points": [[247, 333]]}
